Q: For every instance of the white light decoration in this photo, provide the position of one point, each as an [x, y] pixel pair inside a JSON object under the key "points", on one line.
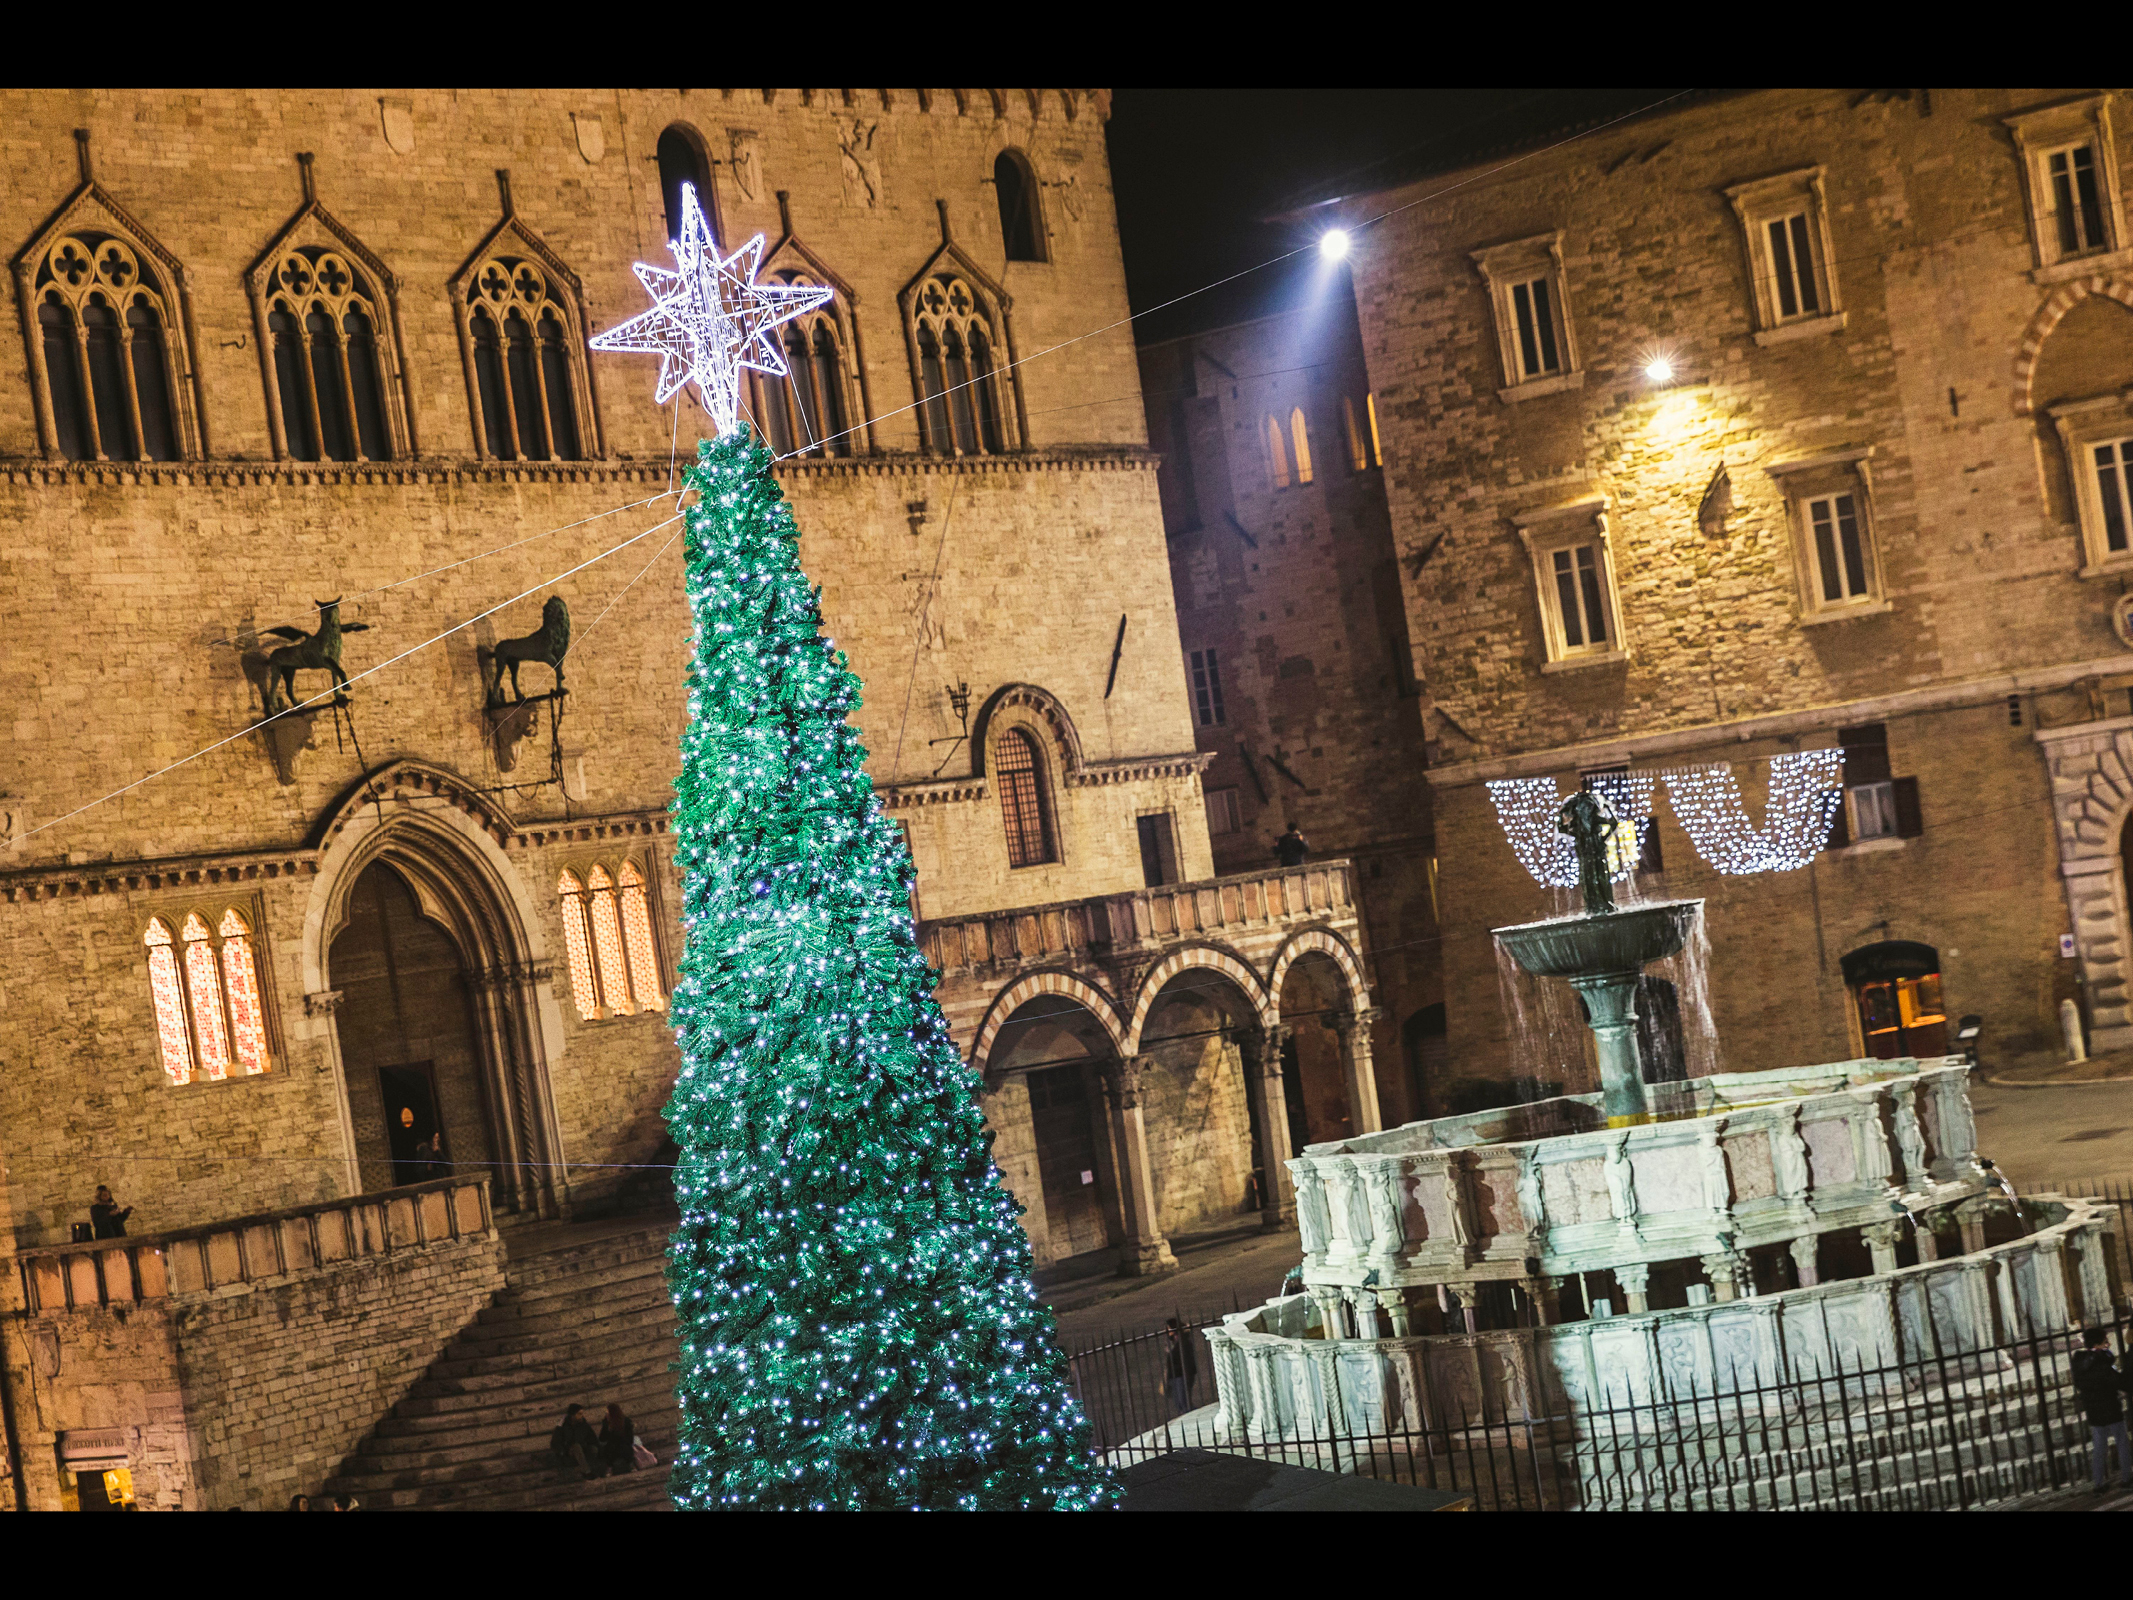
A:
{"points": [[1805, 790], [711, 318], [1333, 244], [1527, 807]]}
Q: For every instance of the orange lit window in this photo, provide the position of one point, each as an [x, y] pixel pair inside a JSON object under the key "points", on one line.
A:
{"points": [[1277, 454], [1301, 436], [1903, 1017], [607, 942], [240, 981], [171, 1031], [204, 988], [637, 936], [577, 941]]}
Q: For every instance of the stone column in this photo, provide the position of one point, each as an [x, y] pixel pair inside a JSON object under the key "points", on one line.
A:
{"points": [[1805, 1260], [1611, 1002], [1395, 1303], [1928, 1246], [1724, 1268], [1145, 1250], [1538, 1292], [1354, 1030], [1331, 1323], [1970, 1220], [1881, 1240], [1636, 1281], [1261, 1049]]}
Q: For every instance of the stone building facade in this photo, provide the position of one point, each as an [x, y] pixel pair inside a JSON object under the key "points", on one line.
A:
{"points": [[274, 350], [1294, 636], [1761, 425]]}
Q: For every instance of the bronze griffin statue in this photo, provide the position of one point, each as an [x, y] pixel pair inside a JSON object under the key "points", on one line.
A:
{"points": [[547, 644], [312, 652]]}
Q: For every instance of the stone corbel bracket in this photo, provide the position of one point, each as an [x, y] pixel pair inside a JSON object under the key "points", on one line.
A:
{"points": [[287, 737]]}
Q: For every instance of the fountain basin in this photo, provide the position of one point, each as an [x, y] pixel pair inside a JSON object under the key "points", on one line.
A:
{"points": [[1612, 941]]}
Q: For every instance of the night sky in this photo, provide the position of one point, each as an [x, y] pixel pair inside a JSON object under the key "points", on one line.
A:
{"points": [[1195, 170]]}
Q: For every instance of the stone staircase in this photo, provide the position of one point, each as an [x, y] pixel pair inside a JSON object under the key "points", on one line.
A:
{"points": [[583, 1316]]}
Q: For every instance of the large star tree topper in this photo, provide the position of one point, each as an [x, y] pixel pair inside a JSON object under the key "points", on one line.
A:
{"points": [[711, 318]]}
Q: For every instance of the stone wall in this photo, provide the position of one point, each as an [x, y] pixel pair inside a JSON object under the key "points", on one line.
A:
{"points": [[1950, 342], [126, 586], [1295, 589], [250, 1391]]}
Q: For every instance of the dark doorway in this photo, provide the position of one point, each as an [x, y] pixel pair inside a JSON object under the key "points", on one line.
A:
{"points": [[405, 1000], [412, 1130], [1897, 986], [1059, 1117]]}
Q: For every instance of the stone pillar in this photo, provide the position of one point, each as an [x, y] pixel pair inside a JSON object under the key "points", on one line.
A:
{"points": [[1611, 1002], [1331, 1323], [1881, 1240], [1354, 1030], [2053, 1310], [1538, 1292], [1636, 1281], [1724, 1268], [1145, 1250], [1395, 1303], [1928, 1246], [1261, 1049], [1970, 1220], [1805, 1260]]}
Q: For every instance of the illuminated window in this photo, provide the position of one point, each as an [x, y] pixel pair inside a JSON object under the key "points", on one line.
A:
{"points": [[607, 933], [1377, 451], [2070, 168], [1300, 435], [1352, 431], [1533, 331], [1025, 809], [1573, 571], [210, 1018], [1833, 536], [1277, 454], [1785, 221]]}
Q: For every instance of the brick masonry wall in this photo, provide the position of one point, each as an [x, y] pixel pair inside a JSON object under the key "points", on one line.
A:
{"points": [[251, 1393], [116, 584], [1303, 608], [1933, 258]]}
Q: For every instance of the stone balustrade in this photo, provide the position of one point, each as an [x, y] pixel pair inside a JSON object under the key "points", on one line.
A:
{"points": [[246, 1250], [1540, 1191], [988, 943], [1278, 1377]]}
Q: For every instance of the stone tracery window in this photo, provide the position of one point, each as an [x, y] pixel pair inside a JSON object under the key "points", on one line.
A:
{"points": [[204, 980], [808, 412], [106, 351], [326, 327], [527, 364], [957, 339], [607, 935]]}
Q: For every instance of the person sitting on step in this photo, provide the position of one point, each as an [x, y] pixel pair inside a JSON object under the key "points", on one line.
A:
{"points": [[573, 1445], [617, 1434]]}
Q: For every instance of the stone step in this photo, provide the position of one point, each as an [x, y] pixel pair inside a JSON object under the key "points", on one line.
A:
{"points": [[555, 1387], [595, 1256], [517, 1417], [627, 1278], [565, 1311], [631, 1491], [477, 1344], [391, 1457]]}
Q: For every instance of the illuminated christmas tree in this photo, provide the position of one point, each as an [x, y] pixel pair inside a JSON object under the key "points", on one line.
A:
{"points": [[857, 1321]]}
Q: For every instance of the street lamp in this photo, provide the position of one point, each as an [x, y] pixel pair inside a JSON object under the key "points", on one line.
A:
{"points": [[1333, 244]]}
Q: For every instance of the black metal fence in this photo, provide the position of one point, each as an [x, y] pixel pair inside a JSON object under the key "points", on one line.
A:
{"points": [[1124, 1383], [1949, 1432]]}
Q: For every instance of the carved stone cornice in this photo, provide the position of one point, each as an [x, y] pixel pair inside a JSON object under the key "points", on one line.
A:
{"points": [[931, 792], [1183, 764], [575, 830], [32, 884]]}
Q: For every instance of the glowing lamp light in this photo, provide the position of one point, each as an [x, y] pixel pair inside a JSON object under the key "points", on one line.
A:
{"points": [[1333, 244], [1660, 370]]}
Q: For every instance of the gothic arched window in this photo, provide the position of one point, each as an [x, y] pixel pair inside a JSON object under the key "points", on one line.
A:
{"points": [[105, 339], [204, 980], [955, 334], [806, 411], [1025, 807], [681, 160], [527, 368], [322, 314], [1300, 436], [607, 933], [1277, 453], [1021, 224]]}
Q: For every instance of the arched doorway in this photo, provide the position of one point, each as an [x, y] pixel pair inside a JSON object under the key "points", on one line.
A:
{"points": [[1895, 988], [1049, 1053], [409, 1053], [444, 977], [1314, 1067], [1197, 1102]]}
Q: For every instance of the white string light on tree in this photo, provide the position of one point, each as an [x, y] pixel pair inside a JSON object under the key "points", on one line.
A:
{"points": [[1527, 807], [1805, 791]]}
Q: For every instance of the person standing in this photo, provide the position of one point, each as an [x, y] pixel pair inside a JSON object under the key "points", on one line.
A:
{"points": [[1291, 849], [2102, 1388], [1183, 1367], [109, 1221]]}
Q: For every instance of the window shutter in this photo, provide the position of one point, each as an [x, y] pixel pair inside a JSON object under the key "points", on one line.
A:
{"points": [[1909, 825]]}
